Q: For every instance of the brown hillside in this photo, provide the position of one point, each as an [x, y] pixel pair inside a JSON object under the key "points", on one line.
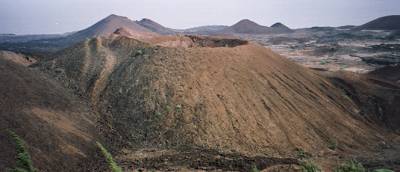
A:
{"points": [[17, 58], [58, 128], [243, 98]]}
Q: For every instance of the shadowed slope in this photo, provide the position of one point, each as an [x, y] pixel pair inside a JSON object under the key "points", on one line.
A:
{"points": [[57, 126], [390, 73], [382, 23], [378, 98]]}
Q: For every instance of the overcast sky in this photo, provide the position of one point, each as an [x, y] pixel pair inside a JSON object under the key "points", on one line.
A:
{"points": [[59, 16]]}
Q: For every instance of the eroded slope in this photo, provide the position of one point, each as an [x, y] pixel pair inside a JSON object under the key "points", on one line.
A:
{"points": [[244, 98]]}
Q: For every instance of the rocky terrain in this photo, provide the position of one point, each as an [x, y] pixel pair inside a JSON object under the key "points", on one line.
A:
{"points": [[335, 49], [170, 102]]}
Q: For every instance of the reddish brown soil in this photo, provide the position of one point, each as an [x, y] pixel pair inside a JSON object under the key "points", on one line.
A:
{"points": [[241, 98]]}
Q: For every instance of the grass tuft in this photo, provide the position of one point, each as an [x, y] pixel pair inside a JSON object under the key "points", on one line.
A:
{"points": [[111, 163], [309, 166], [351, 166], [301, 154], [24, 161], [332, 144], [254, 169]]}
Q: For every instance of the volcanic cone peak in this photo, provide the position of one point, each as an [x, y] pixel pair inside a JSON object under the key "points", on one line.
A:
{"points": [[279, 25], [108, 26], [281, 28], [242, 98], [247, 26]]}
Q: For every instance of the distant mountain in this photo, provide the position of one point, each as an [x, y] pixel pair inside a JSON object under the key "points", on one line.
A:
{"points": [[11, 38], [52, 43], [109, 25], [155, 27], [247, 26], [279, 27], [382, 23]]}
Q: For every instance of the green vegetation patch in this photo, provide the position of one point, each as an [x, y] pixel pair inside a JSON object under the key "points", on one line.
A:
{"points": [[254, 169], [351, 166], [24, 161], [301, 154], [332, 144], [309, 166], [110, 161]]}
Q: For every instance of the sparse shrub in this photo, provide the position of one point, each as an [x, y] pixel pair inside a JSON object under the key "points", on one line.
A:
{"points": [[351, 166], [137, 53], [332, 144], [158, 115], [343, 66], [168, 108], [24, 162], [301, 154], [111, 163], [254, 169], [309, 167], [178, 108], [323, 62]]}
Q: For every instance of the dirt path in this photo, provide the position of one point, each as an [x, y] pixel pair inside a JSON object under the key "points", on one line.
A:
{"points": [[198, 159]]}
